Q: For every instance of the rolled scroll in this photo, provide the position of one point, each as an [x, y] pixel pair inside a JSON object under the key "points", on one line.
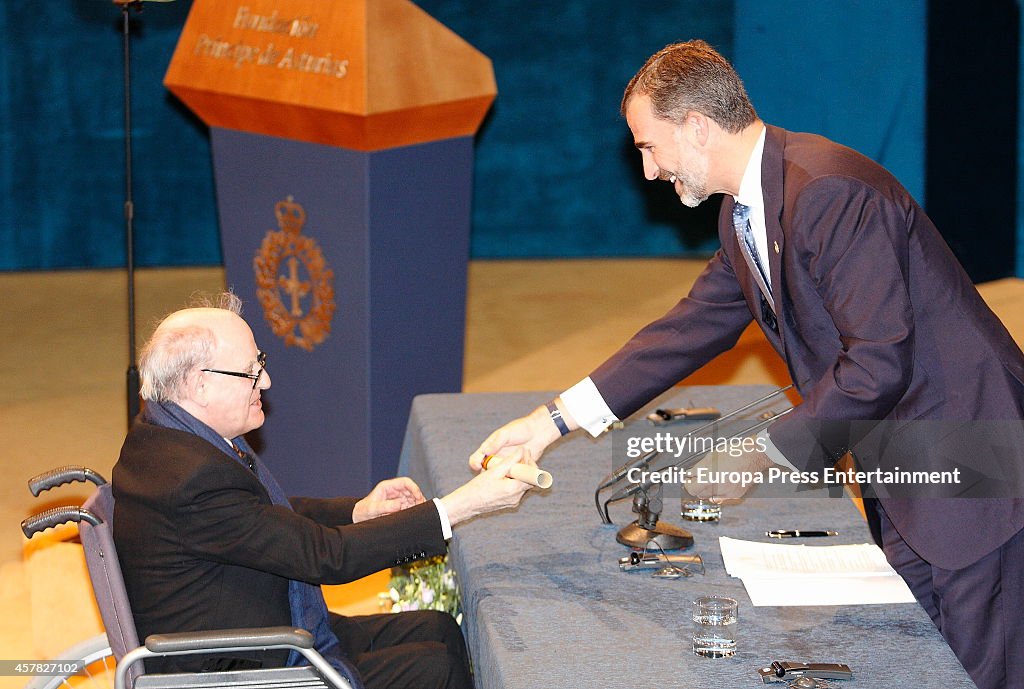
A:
{"points": [[526, 473]]}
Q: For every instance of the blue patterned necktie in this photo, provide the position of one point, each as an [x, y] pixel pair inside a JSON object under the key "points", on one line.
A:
{"points": [[745, 235]]}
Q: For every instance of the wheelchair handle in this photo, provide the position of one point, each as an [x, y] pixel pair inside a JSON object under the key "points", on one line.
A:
{"points": [[61, 475], [55, 517]]}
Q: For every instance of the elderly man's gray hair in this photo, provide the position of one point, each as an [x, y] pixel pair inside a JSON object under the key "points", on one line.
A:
{"points": [[172, 352]]}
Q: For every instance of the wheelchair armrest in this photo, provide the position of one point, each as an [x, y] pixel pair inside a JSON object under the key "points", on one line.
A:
{"points": [[186, 643], [229, 638]]}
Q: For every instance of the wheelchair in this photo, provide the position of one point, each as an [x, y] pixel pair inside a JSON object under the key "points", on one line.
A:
{"points": [[119, 649]]}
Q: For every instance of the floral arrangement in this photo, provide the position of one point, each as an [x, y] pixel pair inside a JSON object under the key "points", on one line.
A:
{"points": [[425, 585]]}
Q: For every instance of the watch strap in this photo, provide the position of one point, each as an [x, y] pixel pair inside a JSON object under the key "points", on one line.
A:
{"points": [[556, 417]]}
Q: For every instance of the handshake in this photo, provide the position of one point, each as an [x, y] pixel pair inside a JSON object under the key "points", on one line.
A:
{"points": [[501, 484], [524, 472], [492, 489]]}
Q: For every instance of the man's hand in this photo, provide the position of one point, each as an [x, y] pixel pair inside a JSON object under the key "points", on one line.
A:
{"points": [[489, 490], [721, 476], [531, 433], [390, 495]]}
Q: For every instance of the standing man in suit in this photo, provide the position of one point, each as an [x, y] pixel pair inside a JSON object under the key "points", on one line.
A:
{"points": [[207, 539], [878, 323]]}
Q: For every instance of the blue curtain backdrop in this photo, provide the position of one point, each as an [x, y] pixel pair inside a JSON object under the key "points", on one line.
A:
{"points": [[859, 81], [556, 174], [61, 128], [1020, 151]]}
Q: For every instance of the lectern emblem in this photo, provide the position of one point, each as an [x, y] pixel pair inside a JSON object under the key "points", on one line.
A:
{"points": [[291, 274]]}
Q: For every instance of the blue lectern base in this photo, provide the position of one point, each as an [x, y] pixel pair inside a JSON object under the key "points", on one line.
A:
{"points": [[352, 267]]}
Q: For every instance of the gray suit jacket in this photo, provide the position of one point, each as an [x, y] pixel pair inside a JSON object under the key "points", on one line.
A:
{"points": [[876, 320]]}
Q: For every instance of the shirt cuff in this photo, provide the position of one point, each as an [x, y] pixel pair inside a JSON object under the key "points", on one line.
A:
{"points": [[774, 453], [587, 407], [446, 525]]}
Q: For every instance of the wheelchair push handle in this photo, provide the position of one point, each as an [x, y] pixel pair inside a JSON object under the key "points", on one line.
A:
{"points": [[71, 473], [55, 517]]}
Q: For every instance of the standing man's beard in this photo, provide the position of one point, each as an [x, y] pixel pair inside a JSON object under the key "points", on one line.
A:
{"points": [[691, 191]]}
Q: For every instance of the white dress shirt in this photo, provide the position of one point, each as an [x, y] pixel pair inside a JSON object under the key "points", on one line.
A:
{"points": [[752, 196]]}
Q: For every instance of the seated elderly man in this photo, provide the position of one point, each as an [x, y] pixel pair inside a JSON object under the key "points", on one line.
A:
{"points": [[207, 539]]}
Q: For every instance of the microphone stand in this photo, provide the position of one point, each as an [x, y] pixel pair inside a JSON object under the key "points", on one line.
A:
{"points": [[647, 504], [132, 374], [644, 462], [646, 528]]}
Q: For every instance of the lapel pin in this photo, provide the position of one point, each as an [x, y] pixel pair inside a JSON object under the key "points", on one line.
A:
{"points": [[776, 247]]}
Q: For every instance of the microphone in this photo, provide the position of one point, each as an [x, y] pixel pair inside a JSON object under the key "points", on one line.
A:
{"points": [[640, 489], [641, 462], [690, 460], [644, 461], [634, 488]]}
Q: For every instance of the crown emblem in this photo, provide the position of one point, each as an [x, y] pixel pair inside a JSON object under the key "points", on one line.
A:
{"points": [[291, 216], [294, 284]]}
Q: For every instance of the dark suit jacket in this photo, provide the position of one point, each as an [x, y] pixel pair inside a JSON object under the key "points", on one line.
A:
{"points": [[876, 321], [202, 547]]}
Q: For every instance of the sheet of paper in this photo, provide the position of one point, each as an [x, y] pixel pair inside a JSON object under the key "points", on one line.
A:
{"points": [[781, 574], [765, 559], [830, 591]]}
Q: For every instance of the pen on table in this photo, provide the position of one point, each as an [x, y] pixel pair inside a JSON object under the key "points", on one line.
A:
{"points": [[794, 533]]}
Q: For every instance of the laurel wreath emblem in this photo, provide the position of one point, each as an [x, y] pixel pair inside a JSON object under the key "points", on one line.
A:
{"points": [[288, 246]]}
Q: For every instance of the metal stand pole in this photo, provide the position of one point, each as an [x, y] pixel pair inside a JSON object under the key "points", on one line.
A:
{"points": [[129, 210]]}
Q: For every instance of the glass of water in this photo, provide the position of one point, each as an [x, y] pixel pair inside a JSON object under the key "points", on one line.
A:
{"points": [[714, 626], [699, 509]]}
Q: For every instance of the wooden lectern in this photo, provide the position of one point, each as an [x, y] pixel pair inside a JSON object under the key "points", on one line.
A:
{"points": [[343, 152]]}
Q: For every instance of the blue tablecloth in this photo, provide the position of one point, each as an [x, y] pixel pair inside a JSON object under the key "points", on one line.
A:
{"points": [[545, 604]]}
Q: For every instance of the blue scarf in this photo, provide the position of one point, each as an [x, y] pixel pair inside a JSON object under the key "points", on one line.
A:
{"points": [[309, 611]]}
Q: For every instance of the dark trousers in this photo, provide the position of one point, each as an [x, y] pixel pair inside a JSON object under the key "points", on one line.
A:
{"points": [[978, 609], [421, 649]]}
